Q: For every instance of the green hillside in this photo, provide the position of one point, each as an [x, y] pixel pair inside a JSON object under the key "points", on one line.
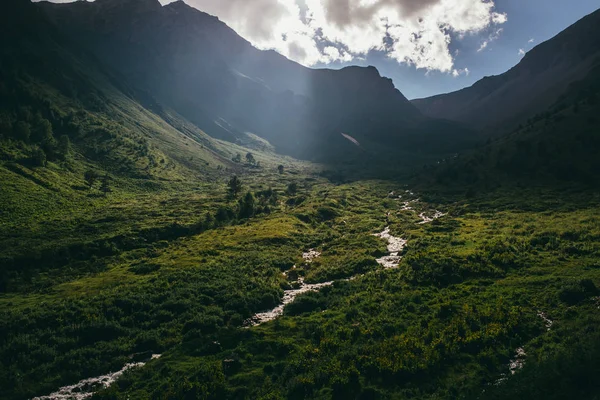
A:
{"points": [[558, 147]]}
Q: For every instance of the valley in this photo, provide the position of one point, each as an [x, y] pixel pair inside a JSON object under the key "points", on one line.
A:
{"points": [[182, 222]]}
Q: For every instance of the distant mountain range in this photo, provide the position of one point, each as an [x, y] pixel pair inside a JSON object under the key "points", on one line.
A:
{"points": [[498, 103], [187, 67]]}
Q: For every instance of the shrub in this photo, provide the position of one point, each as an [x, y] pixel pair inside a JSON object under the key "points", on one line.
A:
{"points": [[575, 292]]}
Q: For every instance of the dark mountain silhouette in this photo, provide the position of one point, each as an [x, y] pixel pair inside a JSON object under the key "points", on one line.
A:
{"points": [[545, 73], [198, 66], [559, 146]]}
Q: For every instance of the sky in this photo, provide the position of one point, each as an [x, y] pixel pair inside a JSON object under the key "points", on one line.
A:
{"points": [[427, 47]]}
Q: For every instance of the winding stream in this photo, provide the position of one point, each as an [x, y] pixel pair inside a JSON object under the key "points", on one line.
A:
{"points": [[86, 388], [290, 294], [395, 245], [288, 297]]}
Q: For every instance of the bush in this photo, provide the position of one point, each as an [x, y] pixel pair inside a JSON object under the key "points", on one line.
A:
{"points": [[38, 158], [575, 292], [326, 213], [304, 304]]}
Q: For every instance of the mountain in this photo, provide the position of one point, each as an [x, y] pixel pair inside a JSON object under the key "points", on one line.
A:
{"points": [[198, 66], [557, 147], [65, 117], [543, 75]]}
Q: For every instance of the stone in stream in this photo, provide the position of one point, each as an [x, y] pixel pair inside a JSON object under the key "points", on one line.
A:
{"points": [[310, 255], [547, 321], [426, 219], [518, 362]]}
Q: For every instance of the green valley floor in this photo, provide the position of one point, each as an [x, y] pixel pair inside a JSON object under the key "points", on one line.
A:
{"points": [[458, 298]]}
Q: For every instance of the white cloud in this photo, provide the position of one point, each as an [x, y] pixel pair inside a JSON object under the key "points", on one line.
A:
{"points": [[495, 35], [498, 18], [414, 32], [458, 72], [332, 54]]}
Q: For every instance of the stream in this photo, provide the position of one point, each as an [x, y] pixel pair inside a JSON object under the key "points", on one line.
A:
{"points": [[394, 247], [86, 388], [392, 259]]}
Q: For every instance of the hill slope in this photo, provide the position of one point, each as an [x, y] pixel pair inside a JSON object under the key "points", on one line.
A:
{"points": [[63, 118], [530, 87], [557, 147], [201, 68]]}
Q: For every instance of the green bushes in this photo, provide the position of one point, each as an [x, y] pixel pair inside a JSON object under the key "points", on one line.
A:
{"points": [[571, 373], [306, 303], [575, 292]]}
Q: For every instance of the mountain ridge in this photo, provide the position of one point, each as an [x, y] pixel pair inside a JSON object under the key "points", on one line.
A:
{"points": [[502, 101], [195, 64]]}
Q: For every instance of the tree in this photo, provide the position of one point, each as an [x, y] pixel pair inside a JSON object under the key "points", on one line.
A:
{"points": [[234, 186], [39, 157], [42, 130], [237, 158], [64, 146], [292, 188], [250, 158], [209, 220], [90, 177], [224, 214], [105, 184], [280, 169], [22, 131], [247, 206], [6, 126]]}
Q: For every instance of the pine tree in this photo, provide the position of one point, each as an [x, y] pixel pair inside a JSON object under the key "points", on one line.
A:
{"points": [[105, 185], [22, 131], [247, 206], [209, 220], [90, 177], [292, 188], [39, 157], [234, 186], [64, 147]]}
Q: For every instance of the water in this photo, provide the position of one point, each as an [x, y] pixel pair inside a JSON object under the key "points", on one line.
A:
{"points": [[86, 388], [394, 247], [288, 297]]}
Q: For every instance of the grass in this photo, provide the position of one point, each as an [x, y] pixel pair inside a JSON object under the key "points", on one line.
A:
{"points": [[443, 324]]}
